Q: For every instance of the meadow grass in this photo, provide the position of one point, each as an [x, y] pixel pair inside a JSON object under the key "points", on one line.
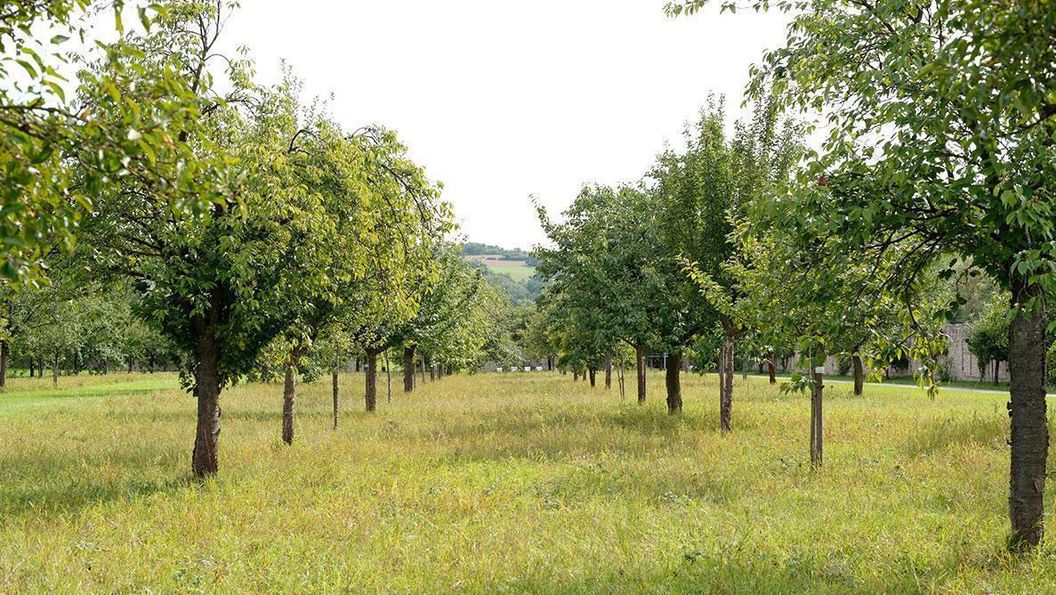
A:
{"points": [[518, 270], [508, 482]]}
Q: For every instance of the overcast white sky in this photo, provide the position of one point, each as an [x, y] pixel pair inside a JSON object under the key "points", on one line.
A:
{"points": [[500, 100]]}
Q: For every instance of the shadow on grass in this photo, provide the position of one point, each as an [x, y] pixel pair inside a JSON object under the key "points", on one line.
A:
{"points": [[728, 570], [71, 497], [990, 431]]}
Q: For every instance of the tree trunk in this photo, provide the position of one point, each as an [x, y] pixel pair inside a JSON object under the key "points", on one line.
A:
{"points": [[592, 372], [289, 395], [726, 386], [1030, 432], [859, 374], [639, 363], [336, 388], [204, 459], [371, 369], [721, 369], [772, 365], [357, 364], [388, 378], [432, 373], [5, 352], [997, 371], [423, 369], [816, 428], [130, 364], [55, 370], [674, 384], [408, 368], [575, 375], [608, 371], [32, 369]]}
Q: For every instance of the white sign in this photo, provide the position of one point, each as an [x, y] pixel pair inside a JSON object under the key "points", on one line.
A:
{"points": [[819, 370]]}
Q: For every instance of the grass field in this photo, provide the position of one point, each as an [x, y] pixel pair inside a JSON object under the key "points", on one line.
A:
{"points": [[509, 482], [519, 270]]}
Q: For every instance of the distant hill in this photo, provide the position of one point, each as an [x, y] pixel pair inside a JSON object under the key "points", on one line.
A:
{"points": [[512, 271], [492, 252]]}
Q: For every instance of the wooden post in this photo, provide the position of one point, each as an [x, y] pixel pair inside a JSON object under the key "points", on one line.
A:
{"points": [[817, 444]]}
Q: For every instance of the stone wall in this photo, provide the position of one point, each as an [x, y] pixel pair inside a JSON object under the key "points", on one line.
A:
{"points": [[962, 363]]}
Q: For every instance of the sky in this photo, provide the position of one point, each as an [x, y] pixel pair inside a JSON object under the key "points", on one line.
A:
{"points": [[503, 100]]}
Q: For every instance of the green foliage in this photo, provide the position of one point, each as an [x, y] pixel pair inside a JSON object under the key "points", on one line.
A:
{"points": [[609, 278], [77, 325], [521, 290], [129, 118], [987, 335], [516, 254], [704, 194], [941, 119]]}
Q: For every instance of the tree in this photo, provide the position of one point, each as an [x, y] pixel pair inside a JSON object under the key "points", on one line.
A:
{"points": [[60, 147], [462, 319], [372, 211], [207, 254], [36, 128], [987, 335], [702, 192], [609, 280], [22, 311], [942, 120]]}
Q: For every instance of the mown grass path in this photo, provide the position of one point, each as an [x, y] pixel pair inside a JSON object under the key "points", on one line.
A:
{"points": [[27, 393], [517, 482]]}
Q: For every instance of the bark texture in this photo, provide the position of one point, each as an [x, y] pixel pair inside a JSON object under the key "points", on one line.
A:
{"points": [[593, 376], [5, 353], [608, 371], [726, 383], [639, 362], [817, 443], [772, 365], [371, 376], [337, 394], [205, 458], [1030, 432], [289, 395], [859, 374], [674, 383], [408, 368]]}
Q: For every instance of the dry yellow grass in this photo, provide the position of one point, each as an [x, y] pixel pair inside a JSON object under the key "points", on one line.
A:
{"points": [[519, 482]]}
